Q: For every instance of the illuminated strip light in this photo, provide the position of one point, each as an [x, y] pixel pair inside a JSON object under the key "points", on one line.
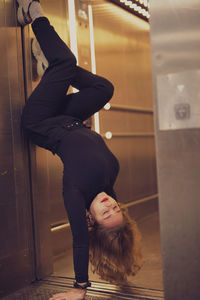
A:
{"points": [[137, 8], [93, 62], [72, 28], [128, 3], [72, 31]]}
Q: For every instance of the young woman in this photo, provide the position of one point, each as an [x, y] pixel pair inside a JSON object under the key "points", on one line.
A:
{"points": [[53, 120]]}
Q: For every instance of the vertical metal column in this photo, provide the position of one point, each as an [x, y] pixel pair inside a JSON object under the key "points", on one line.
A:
{"points": [[16, 241], [175, 42]]}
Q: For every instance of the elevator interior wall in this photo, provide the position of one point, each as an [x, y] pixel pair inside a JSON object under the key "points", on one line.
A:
{"points": [[122, 49], [16, 236]]}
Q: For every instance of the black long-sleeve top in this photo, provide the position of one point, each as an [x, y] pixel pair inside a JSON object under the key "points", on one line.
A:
{"points": [[89, 168]]}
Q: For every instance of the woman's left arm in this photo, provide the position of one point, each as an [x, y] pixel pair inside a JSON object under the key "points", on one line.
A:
{"points": [[75, 206]]}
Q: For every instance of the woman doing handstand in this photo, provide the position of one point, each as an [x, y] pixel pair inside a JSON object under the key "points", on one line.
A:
{"points": [[53, 120]]}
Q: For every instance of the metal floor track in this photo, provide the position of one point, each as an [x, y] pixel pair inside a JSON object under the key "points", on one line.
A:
{"points": [[44, 289]]}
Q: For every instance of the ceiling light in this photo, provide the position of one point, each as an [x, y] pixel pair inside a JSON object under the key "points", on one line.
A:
{"points": [[128, 2], [138, 7]]}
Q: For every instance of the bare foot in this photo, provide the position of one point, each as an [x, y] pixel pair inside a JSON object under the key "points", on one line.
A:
{"points": [[73, 294]]}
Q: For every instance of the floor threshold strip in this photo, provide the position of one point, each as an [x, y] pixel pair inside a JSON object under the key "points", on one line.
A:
{"points": [[45, 288], [106, 289]]}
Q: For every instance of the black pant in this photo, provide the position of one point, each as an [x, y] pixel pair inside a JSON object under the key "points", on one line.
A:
{"points": [[48, 107]]}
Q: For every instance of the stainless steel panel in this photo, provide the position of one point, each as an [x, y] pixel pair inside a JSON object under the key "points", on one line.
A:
{"points": [[16, 251], [175, 41], [181, 108]]}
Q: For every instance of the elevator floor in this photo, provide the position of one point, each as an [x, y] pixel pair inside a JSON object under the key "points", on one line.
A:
{"points": [[44, 289]]}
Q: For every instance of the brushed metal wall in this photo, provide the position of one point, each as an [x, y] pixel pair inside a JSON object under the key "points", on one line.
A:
{"points": [[16, 240], [122, 50], [175, 42]]}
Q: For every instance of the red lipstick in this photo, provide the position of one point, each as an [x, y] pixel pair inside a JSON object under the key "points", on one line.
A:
{"points": [[104, 199]]}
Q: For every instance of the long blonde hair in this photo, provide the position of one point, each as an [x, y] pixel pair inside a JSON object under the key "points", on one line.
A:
{"points": [[115, 253]]}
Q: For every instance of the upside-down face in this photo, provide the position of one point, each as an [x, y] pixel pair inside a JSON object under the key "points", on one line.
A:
{"points": [[105, 211]]}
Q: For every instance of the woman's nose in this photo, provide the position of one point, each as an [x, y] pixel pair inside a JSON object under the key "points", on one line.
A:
{"points": [[108, 203]]}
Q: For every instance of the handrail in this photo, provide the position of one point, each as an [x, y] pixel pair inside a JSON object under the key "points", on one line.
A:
{"points": [[108, 135], [145, 199], [132, 203], [119, 107]]}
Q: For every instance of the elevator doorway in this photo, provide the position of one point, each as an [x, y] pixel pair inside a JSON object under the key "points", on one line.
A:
{"points": [[129, 119]]}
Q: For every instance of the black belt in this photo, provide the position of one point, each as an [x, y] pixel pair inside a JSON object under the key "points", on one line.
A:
{"points": [[75, 124]]}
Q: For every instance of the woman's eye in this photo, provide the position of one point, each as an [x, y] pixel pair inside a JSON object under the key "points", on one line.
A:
{"points": [[105, 212]]}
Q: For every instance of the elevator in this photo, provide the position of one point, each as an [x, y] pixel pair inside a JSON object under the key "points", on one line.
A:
{"points": [[107, 39]]}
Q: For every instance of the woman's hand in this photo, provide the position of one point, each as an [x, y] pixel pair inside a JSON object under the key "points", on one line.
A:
{"points": [[73, 294]]}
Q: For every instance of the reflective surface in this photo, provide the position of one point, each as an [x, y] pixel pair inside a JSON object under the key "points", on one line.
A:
{"points": [[16, 240], [175, 40]]}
